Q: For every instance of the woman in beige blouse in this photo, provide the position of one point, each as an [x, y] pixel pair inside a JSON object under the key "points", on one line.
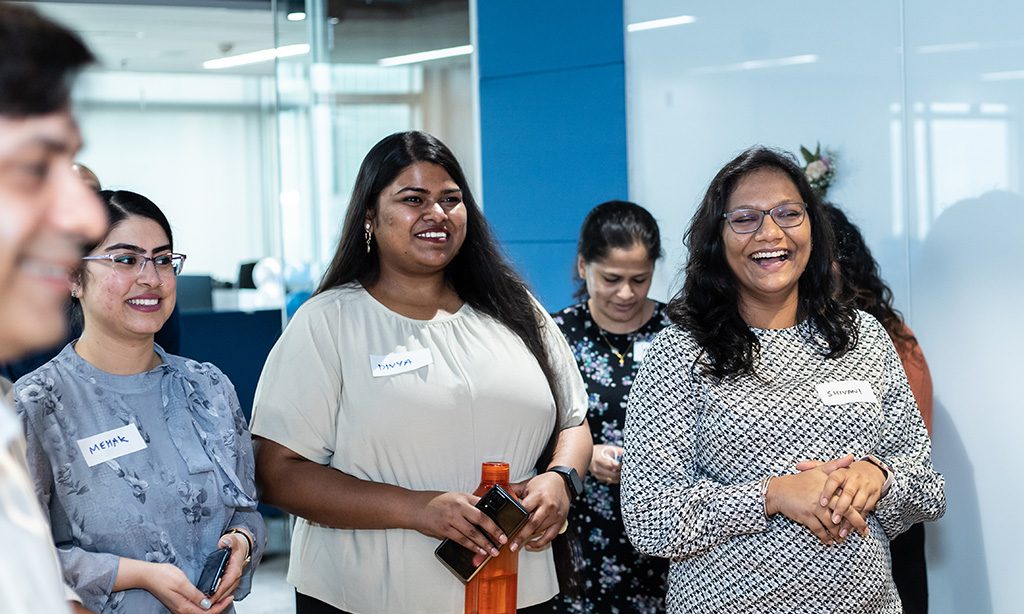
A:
{"points": [[421, 355]]}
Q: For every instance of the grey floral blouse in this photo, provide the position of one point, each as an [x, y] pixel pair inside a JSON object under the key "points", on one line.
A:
{"points": [[167, 502]]}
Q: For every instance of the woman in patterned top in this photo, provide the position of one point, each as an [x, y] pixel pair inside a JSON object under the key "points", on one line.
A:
{"points": [[762, 376], [609, 330], [142, 459]]}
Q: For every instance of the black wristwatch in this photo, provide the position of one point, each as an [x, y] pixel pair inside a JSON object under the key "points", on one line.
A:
{"points": [[572, 480]]}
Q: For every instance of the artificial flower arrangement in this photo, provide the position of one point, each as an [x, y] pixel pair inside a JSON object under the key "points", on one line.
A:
{"points": [[819, 168]]}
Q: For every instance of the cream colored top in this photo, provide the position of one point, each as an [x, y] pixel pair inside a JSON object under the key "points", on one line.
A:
{"points": [[482, 397]]}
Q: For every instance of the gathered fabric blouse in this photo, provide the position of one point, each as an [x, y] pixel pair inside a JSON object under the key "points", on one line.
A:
{"points": [[416, 404], [697, 449], [168, 502]]}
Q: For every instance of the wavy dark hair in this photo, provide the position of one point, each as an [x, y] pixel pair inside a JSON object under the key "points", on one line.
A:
{"points": [[708, 304], [861, 285], [39, 61], [119, 205], [615, 224]]}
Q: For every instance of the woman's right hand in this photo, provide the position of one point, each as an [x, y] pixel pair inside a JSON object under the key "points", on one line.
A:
{"points": [[603, 465], [797, 497], [171, 586], [453, 515]]}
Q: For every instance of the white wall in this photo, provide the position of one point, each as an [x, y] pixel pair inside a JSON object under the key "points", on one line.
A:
{"points": [[930, 167], [196, 146]]}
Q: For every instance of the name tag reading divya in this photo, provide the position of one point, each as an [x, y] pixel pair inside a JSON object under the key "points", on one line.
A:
{"points": [[112, 444], [852, 391], [399, 362]]}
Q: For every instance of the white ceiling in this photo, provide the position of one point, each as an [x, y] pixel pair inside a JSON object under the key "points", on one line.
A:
{"points": [[178, 39]]}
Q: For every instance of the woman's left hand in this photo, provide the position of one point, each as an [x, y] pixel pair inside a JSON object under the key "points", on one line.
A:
{"points": [[546, 497], [851, 491], [236, 565]]}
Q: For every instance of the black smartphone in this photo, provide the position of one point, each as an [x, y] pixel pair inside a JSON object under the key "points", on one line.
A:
{"points": [[213, 569], [505, 511]]}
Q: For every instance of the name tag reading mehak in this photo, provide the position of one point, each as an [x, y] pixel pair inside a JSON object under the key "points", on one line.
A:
{"points": [[112, 444], [399, 362], [852, 391]]}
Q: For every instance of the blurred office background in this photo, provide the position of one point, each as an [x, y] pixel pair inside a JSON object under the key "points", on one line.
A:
{"points": [[554, 107]]}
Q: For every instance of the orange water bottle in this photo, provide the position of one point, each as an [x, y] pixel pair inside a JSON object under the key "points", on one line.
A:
{"points": [[493, 590]]}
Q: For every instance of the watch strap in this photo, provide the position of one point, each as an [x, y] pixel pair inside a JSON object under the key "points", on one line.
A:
{"points": [[571, 478]]}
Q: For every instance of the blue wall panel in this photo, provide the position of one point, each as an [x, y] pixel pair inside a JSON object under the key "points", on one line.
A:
{"points": [[552, 128], [525, 36], [548, 267], [554, 146]]}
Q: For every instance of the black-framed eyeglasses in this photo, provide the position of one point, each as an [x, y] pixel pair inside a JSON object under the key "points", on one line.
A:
{"points": [[745, 221], [134, 264]]}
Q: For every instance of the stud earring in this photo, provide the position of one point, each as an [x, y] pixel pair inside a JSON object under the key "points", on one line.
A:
{"points": [[368, 237], [74, 293]]}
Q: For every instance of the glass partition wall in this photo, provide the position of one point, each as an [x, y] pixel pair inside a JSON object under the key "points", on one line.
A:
{"points": [[371, 69]]}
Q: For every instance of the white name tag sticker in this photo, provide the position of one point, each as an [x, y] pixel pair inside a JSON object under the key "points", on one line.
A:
{"points": [[399, 362], [112, 444], [852, 391], [640, 350]]}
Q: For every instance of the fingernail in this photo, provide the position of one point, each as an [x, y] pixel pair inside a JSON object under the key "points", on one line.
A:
{"points": [[225, 543], [514, 546], [502, 539], [824, 501], [494, 552], [842, 532], [205, 604], [481, 551], [836, 518]]}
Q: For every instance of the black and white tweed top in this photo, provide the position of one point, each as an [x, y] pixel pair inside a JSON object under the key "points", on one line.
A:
{"points": [[696, 449]]}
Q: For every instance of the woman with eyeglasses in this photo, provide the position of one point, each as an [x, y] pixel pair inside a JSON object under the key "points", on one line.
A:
{"points": [[142, 459], [773, 446]]}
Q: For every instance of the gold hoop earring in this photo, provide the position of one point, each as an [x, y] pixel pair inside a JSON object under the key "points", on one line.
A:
{"points": [[368, 237]]}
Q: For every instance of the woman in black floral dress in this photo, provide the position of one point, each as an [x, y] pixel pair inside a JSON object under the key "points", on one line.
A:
{"points": [[609, 331]]}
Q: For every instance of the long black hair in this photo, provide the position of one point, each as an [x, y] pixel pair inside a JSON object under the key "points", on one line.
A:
{"points": [[862, 286], [615, 224], [479, 273], [708, 305]]}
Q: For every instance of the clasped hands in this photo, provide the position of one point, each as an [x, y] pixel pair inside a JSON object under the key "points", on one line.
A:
{"points": [[829, 498], [454, 515]]}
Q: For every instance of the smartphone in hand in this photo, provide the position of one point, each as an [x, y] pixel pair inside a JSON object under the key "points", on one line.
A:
{"points": [[213, 570], [505, 511]]}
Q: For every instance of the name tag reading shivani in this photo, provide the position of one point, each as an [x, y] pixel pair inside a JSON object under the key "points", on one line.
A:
{"points": [[399, 362], [640, 350], [852, 391], [112, 444]]}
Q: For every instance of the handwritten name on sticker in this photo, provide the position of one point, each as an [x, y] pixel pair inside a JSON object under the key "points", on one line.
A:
{"points": [[399, 362], [852, 391], [111, 444]]}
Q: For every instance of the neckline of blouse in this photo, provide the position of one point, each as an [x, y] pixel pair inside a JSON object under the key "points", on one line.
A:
{"points": [[655, 313], [96, 375], [448, 317]]}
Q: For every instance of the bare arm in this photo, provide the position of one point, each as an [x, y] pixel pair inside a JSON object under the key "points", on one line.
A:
{"points": [[330, 497]]}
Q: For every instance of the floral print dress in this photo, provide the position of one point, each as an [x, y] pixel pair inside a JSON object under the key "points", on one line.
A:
{"points": [[616, 577]]}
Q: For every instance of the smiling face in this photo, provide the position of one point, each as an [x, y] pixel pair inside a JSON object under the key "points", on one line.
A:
{"points": [[420, 222], [121, 304], [767, 263], [48, 214], [617, 285]]}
